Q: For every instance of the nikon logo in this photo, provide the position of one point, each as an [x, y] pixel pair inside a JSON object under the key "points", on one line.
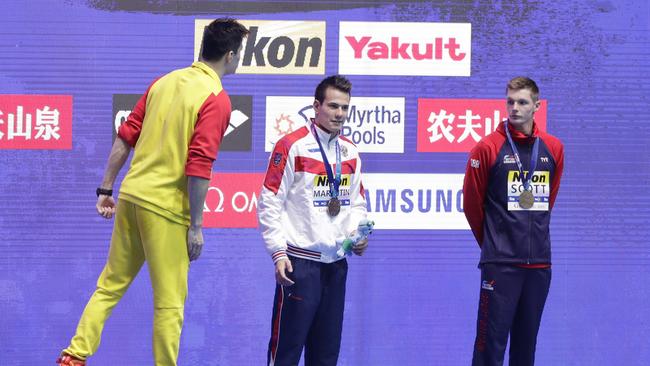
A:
{"points": [[281, 51], [322, 181], [278, 47]]}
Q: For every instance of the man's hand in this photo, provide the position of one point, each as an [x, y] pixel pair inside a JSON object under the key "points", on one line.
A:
{"points": [[360, 247], [194, 242], [105, 206], [282, 269]]}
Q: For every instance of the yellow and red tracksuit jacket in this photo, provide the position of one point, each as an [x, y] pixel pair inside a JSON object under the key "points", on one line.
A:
{"points": [[176, 129]]}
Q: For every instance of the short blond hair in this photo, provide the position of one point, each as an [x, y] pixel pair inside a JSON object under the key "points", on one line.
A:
{"points": [[522, 82]]}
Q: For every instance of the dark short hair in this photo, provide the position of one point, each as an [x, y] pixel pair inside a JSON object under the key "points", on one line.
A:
{"points": [[522, 82], [220, 37], [338, 82]]}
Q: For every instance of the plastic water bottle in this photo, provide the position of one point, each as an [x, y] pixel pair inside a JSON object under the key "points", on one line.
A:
{"points": [[363, 230]]}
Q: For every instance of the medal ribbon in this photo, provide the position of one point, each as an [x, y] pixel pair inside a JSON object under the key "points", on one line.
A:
{"points": [[533, 158], [334, 183]]}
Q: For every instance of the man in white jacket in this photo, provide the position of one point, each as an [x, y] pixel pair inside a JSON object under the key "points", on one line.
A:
{"points": [[312, 199]]}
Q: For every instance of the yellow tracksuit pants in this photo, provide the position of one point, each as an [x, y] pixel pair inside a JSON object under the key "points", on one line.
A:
{"points": [[140, 235]]}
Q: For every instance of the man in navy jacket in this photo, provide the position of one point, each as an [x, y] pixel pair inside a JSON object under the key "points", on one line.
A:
{"points": [[511, 182]]}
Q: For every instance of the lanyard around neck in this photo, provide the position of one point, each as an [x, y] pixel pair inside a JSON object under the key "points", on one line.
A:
{"points": [[334, 182], [526, 179]]}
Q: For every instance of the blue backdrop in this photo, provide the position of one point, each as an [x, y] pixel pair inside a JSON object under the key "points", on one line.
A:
{"points": [[412, 299]]}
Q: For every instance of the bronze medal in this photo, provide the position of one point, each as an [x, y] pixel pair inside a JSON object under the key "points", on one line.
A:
{"points": [[526, 199], [333, 206]]}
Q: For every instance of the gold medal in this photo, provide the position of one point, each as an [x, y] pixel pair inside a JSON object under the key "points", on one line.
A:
{"points": [[333, 206], [526, 199]]}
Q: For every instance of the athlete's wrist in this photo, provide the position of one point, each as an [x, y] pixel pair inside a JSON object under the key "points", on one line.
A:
{"points": [[103, 191]]}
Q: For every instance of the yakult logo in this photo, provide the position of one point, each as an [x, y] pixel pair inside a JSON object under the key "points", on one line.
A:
{"points": [[277, 47], [406, 51], [423, 49]]}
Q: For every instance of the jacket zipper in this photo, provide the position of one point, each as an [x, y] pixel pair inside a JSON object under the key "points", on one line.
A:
{"points": [[530, 220]]}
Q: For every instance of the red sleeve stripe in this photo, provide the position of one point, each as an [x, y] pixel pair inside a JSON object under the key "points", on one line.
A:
{"points": [[211, 124], [278, 159], [309, 165], [557, 151], [278, 254], [476, 182], [129, 131]]}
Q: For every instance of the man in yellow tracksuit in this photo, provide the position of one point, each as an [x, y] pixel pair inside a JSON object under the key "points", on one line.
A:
{"points": [[175, 130]]}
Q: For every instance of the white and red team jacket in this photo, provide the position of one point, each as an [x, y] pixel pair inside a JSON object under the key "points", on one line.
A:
{"points": [[292, 207]]}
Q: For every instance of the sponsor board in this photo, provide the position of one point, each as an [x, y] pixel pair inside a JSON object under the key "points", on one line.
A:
{"points": [[231, 201], [41, 122], [407, 48], [456, 125], [374, 124], [238, 135], [415, 201], [122, 106], [277, 47], [394, 201]]}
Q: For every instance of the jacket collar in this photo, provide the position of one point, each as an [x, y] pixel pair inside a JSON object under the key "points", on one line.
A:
{"points": [[207, 69], [324, 136], [517, 135]]}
